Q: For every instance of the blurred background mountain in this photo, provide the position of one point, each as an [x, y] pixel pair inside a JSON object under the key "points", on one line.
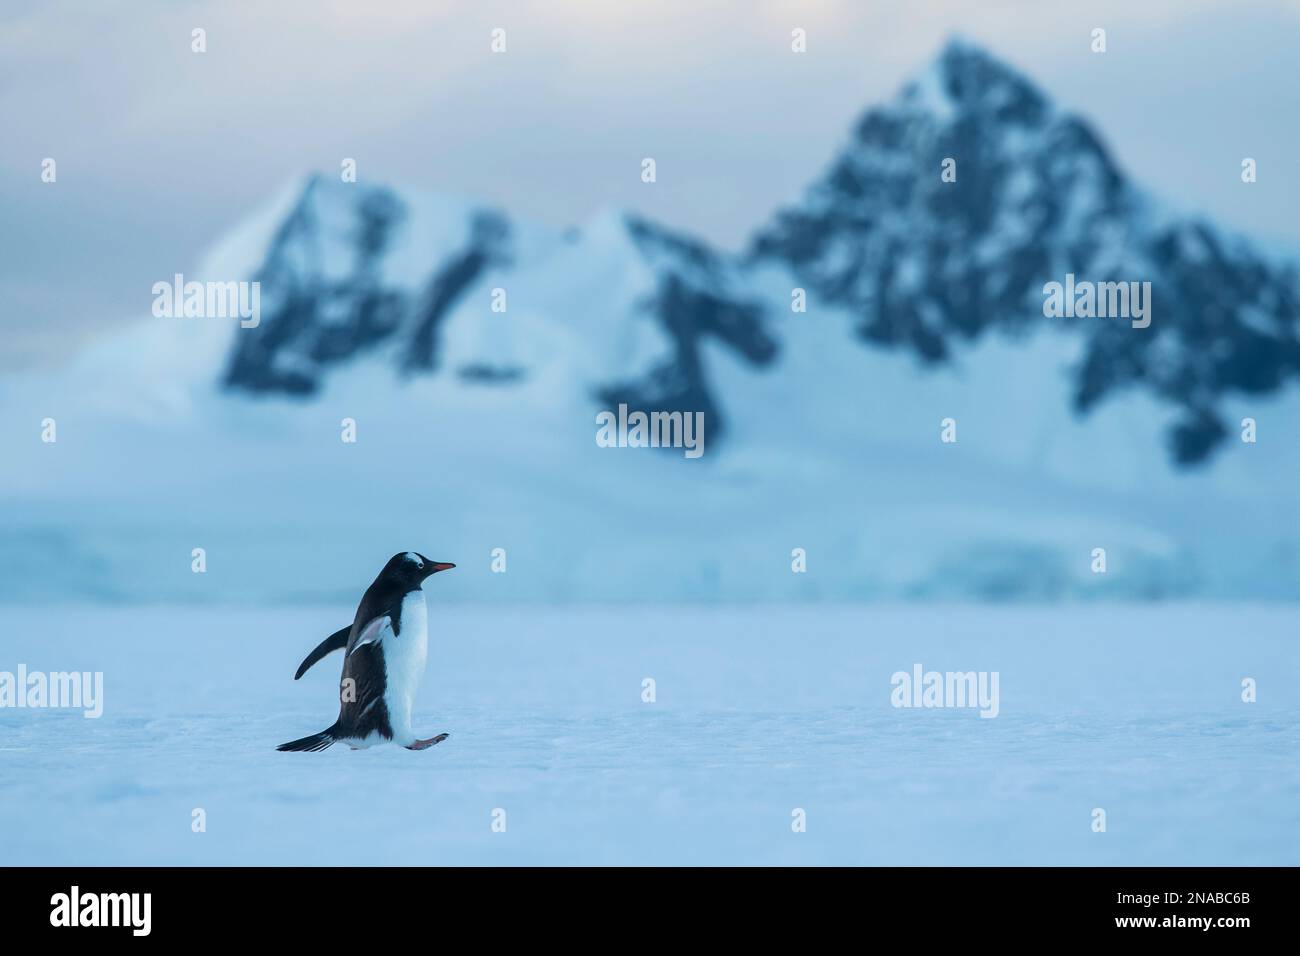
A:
{"points": [[476, 428]]}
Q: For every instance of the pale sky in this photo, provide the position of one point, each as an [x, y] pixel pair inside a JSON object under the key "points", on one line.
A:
{"points": [[160, 150]]}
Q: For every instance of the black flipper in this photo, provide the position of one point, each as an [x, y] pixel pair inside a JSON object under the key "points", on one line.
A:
{"points": [[335, 642], [315, 742]]}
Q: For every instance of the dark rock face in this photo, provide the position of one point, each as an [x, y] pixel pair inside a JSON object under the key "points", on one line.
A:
{"points": [[313, 318], [324, 298], [1230, 327], [694, 299], [925, 264], [317, 314], [488, 246]]}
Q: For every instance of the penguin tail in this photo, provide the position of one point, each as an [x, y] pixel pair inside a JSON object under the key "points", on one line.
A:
{"points": [[312, 744]]}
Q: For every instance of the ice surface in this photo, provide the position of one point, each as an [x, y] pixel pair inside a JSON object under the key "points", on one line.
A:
{"points": [[758, 712]]}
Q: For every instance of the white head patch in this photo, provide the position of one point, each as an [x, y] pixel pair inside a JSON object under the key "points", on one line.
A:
{"points": [[414, 558]]}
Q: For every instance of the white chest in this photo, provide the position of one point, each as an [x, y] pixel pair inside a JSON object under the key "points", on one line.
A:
{"points": [[405, 655]]}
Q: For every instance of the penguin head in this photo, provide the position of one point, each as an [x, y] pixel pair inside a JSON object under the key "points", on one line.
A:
{"points": [[411, 568]]}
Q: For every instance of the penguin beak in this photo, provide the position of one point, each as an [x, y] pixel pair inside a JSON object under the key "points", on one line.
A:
{"points": [[435, 566]]}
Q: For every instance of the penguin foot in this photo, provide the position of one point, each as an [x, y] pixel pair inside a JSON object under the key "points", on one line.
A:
{"points": [[426, 744]]}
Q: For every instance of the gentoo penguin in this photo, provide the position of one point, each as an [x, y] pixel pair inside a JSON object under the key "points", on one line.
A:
{"points": [[383, 662]]}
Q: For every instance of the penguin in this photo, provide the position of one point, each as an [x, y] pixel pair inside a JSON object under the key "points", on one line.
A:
{"points": [[385, 648]]}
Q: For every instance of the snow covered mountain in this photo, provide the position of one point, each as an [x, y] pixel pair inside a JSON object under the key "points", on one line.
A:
{"points": [[472, 351], [926, 265], [356, 269], [921, 262]]}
